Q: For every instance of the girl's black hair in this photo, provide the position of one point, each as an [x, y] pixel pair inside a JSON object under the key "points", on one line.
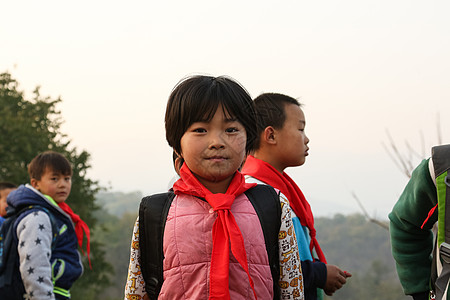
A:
{"points": [[196, 99]]}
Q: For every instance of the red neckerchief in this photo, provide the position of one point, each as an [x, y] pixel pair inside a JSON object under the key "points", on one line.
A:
{"points": [[225, 232], [80, 226], [265, 172]]}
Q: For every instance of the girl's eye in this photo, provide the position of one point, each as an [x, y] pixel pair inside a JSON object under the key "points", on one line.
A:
{"points": [[231, 129], [200, 130]]}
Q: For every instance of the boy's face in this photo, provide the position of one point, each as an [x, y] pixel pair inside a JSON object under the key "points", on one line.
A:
{"points": [[291, 139], [54, 184], [214, 150], [3, 194]]}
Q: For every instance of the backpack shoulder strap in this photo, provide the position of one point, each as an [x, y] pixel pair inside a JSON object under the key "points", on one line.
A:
{"points": [[266, 203], [441, 159], [153, 212], [441, 164]]}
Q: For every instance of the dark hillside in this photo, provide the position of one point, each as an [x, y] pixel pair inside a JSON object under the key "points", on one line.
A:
{"points": [[362, 248]]}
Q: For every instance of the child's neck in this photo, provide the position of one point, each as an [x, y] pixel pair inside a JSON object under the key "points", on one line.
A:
{"points": [[268, 158], [217, 187]]}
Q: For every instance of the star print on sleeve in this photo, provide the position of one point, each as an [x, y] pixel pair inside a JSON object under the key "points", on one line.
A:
{"points": [[35, 237]]}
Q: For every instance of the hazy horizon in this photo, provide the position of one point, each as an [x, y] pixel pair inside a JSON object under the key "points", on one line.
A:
{"points": [[361, 69]]}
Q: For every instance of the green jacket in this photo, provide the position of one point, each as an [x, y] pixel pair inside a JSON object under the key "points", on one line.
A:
{"points": [[412, 246]]}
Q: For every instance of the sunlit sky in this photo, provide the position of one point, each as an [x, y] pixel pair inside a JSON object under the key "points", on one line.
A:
{"points": [[361, 69]]}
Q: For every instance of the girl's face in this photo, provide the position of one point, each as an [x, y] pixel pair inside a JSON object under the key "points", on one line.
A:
{"points": [[214, 150]]}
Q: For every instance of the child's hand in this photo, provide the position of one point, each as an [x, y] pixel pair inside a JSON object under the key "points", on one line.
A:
{"points": [[336, 278]]}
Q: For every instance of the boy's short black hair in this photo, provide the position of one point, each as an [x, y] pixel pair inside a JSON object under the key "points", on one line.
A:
{"points": [[270, 111], [197, 98], [49, 160], [7, 185]]}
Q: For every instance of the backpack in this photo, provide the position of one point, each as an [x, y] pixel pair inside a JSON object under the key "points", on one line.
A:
{"points": [[441, 162], [11, 285], [153, 212]]}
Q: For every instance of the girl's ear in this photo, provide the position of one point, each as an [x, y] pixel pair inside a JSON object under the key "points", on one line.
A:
{"points": [[268, 135], [178, 154]]}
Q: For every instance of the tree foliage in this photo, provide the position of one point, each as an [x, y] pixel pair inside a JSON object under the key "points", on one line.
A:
{"points": [[29, 127]]}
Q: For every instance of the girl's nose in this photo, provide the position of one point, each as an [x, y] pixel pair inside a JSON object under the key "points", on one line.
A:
{"points": [[217, 141]]}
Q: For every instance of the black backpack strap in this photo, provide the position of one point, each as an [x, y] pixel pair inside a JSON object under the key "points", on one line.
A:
{"points": [[8, 256], [441, 164], [441, 159], [152, 220], [266, 203]]}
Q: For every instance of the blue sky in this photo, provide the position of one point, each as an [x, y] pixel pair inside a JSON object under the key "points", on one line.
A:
{"points": [[361, 68]]}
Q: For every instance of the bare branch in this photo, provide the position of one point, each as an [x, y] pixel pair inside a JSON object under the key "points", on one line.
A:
{"points": [[404, 162], [373, 220], [397, 157]]}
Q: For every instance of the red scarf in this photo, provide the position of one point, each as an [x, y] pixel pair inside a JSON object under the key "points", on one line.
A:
{"points": [[80, 226], [265, 172], [225, 232]]}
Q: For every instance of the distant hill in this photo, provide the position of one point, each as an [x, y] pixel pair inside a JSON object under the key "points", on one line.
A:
{"points": [[362, 248], [118, 203]]}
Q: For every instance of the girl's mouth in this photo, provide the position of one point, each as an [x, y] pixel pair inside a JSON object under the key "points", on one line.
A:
{"points": [[216, 158]]}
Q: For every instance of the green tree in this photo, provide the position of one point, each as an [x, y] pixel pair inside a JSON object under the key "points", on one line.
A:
{"points": [[28, 127]]}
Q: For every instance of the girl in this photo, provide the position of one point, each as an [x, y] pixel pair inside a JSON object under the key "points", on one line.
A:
{"points": [[213, 242]]}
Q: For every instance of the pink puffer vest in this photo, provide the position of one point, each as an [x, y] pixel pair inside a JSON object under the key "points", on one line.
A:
{"points": [[187, 250]]}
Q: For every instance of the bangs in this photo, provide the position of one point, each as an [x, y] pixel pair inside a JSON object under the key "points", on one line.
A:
{"points": [[56, 163], [206, 107], [61, 166]]}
